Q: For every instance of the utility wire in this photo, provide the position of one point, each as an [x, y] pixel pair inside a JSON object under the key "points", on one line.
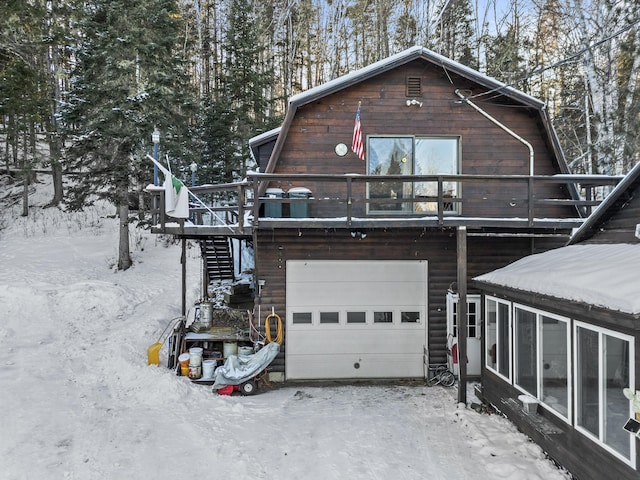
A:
{"points": [[564, 61]]}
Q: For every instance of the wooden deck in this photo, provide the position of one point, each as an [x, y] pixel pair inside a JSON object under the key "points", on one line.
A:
{"points": [[341, 202]]}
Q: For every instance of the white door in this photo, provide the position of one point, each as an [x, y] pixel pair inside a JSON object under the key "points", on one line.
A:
{"points": [[355, 319], [474, 318]]}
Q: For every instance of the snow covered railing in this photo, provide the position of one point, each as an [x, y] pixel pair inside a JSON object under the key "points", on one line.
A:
{"points": [[442, 196], [476, 200]]}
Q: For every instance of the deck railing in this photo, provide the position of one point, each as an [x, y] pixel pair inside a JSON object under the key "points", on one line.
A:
{"points": [[393, 198]]}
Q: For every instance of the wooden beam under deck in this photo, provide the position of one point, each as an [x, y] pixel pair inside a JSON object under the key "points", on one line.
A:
{"points": [[199, 231]]}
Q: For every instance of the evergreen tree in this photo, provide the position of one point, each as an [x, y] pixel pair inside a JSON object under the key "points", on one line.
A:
{"points": [[22, 90], [406, 29], [504, 56], [128, 79], [454, 32], [245, 81]]}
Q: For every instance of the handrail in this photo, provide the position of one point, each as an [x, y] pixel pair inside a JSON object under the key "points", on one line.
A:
{"points": [[241, 196]]}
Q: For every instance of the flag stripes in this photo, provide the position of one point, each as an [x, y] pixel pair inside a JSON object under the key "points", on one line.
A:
{"points": [[356, 145]]}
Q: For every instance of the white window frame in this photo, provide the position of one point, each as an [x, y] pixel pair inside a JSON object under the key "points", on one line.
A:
{"points": [[540, 360], [488, 366], [601, 331], [410, 188], [452, 314]]}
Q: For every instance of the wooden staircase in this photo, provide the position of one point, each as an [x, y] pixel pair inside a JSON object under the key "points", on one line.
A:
{"points": [[217, 258]]}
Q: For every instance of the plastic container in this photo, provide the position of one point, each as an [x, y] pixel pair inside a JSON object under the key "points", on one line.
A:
{"points": [[183, 360], [230, 348], [299, 209], [208, 368], [244, 351], [273, 209], [195, 371], [195, 354]]}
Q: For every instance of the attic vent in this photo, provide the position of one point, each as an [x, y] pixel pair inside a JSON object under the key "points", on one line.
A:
{"points": [[414, 87]]}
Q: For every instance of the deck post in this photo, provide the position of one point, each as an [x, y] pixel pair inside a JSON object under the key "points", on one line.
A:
{"points": [[183, 260], [462, 314], [349, 201]]}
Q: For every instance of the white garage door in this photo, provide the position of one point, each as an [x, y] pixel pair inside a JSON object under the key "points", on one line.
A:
{"points": [[356, 319]]}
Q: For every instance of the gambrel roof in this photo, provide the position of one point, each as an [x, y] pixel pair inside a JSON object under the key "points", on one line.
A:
{"points": [[395, 61]]}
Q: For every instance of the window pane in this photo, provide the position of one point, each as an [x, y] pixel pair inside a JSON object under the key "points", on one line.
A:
{"points": [[504, 350], [617, 406], [409, 317], [526, 351], [329, 317], [435, 156], [555, 364], [299, 318], [491, 327], [390, 156], [472, 320], [587, 399], [454, 307], [382, 317], [356, 317]]}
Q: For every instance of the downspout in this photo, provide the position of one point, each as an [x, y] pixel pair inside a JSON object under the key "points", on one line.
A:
{"points": [[502, 126]]}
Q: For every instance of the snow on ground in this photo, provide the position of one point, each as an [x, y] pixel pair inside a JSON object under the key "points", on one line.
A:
{"points": [[80, 402]]}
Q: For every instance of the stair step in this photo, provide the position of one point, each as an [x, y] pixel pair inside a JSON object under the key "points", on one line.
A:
{"points": [[218, 259]]}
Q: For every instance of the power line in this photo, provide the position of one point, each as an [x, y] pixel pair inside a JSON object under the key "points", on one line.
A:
{"points": [[559, 63]]}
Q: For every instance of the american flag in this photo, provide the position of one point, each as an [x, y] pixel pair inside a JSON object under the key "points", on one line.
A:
{"points": [[356, 144]]}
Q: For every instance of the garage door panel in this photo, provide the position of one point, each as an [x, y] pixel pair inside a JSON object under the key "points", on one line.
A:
{"points": [[319, 367], [363, 341], [357, 270], [344, 293], [318, 350]]}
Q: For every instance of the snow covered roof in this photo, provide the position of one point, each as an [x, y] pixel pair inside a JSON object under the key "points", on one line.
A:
{"points": [[397, 60], [608, 207], [401, 58], [266, 136], [599, 275]]}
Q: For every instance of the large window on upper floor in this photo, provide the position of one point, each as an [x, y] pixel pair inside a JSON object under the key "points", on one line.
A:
{"points": [[412, 155]]}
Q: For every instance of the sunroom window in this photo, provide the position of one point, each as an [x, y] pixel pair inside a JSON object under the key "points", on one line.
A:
{"points": [[542, 357], [498, 333], [603, 368], [411, 155]]}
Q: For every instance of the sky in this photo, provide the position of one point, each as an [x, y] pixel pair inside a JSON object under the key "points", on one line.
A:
{"points": [[80, 402]]}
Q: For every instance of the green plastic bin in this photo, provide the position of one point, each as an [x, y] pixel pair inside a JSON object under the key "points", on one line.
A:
{"points": [[273, 209], [299, 209]]}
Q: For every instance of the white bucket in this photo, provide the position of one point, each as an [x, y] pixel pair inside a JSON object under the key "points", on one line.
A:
{"points": [[195, 371], [208, 368], [195, 355], [230, 348], [244, 351]]}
